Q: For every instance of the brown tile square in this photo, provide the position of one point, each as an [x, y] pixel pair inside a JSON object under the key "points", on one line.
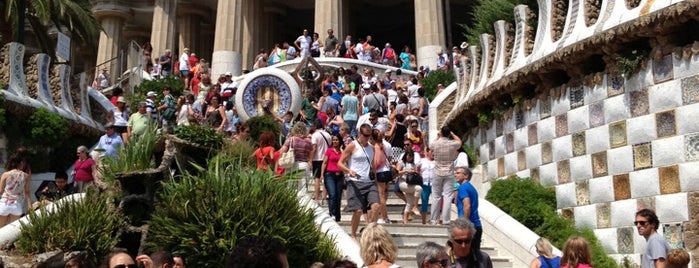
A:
{"points": [[546, 152], [509, 143], [615, 85], [491, 150], [484, 136], [617, 134], [642, 156], [645, 202], [625, 240], [579, 143], [534, 175], [499, 124], [521, 160], [561, 125], [639, 102], [662, 69], [519, 119], [690, 90], [568, 213], [604, 212], [582, 190], [597, 114], [577, 96], [545, 108], [691, 147], [669, 178], [501, 167], [622, 187], [532, 135], [563, 171], [665, 124], [599, 164]]}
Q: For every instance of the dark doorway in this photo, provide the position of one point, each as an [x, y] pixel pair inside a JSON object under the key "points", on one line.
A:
{"points": [[387, 21]]}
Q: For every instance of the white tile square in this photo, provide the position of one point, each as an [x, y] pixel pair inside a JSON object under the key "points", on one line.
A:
{"points": [[546, 129], [686, 118], [579, 119], [524, 173], [623, 213], [644, 183], [492, 169], [597, 92], [499, 146], [484, 153], [608, 239], [533, 156], [616, 108], [684, 68], [560, 105], [601, 190], [672, 207], [597, 139], [562, 148], [620, 160], [689, 176], [565, 195], [490, 133], [668, 151], [641, 129], [521, 138], [586, 216], [510, 163], [581, 168], [640, 80], [665, 96], [532, 115], [510, 123], [548, 174]]}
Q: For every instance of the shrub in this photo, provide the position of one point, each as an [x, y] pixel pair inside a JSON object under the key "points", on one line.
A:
{"points": [[201, 135], [157, 85], [91, 225], [535, 207], [203, 216], [444, 77], [136, 155], [47, 128], [240, 152], [487, 12], [259, 124]]}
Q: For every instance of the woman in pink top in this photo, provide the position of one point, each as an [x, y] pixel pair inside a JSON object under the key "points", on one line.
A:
{"points": [[332, 176], [576, 253], [83, 169], [14, 188]]}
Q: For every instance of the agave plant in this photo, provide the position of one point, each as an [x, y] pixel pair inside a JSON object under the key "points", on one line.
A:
{"points": [[136, 155]]}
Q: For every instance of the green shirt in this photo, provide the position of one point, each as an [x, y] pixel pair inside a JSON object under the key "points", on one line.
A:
{"points": [[310, 112], [138, 123]]}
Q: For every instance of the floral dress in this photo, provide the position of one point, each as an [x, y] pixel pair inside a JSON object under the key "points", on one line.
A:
{"points": [[13, 196]]}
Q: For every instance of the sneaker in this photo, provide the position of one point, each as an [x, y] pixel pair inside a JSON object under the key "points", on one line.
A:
{"points": [[388, 221], [381, 221]]}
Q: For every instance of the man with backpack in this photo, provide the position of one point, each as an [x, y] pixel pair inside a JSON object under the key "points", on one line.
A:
{"points": [[388, 55]]}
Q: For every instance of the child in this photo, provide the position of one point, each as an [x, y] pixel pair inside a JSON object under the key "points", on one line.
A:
{"points": [[677, 258]]}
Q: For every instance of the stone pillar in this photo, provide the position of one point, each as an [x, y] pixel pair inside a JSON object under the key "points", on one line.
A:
{"points": [[429, 31], [251, 32], [330, 14], [228, 41], [111, 17], [188, 25], [163, 30]]}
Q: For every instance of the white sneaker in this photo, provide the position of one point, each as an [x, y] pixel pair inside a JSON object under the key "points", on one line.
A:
{"points": [[381, 221]]}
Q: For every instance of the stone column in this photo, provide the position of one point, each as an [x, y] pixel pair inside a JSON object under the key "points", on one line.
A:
{"points": [[251, 32], [429, 31], [188, 33], [111, 17], [228, 41], [330, 14], [163, 30]]}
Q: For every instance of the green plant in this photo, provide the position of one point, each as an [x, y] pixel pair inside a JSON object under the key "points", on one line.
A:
{"points": [[486, 12], [201, 135], [91, 225], [626, 262], [240, 151], [259, 124], [629, 62], [444, 77], [47, 128], [136, 155], [472, 155], [157, 85], [203, 216]]}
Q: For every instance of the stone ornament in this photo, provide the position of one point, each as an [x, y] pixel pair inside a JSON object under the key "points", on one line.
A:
{"points": [[267, 88]]}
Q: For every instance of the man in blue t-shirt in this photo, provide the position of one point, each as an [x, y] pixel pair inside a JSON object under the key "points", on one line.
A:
{"points": [[467, 204]]}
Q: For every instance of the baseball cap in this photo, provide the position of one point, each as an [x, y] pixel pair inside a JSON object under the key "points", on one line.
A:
{"points": [[108, 125], [229, 74], [151, 94], [121, 99], [387, 71]]}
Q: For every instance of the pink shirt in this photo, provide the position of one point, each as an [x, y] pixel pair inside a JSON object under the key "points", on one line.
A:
{"points": [[333, 158], [83, 169]]}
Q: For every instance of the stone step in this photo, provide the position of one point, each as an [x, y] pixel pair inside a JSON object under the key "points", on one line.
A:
{"points": [[409, 261], [410, 249]]}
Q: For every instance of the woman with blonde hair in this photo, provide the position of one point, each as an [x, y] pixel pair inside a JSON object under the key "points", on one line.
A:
{"points": [[546, 259], [301, 143], [376, 247], [576, 253]]}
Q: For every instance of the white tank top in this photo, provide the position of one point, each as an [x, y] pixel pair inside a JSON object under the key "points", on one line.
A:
{"points": [[120, 118], [359, 161]]}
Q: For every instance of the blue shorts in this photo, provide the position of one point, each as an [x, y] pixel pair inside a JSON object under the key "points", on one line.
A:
{"points": [[184, 72]]}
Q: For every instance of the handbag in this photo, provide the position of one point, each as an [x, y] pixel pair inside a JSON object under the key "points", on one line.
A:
{"points": [[413, 178], [287, 159]]}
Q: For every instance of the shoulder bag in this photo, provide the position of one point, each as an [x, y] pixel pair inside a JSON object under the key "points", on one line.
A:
{"points": [[287, 159]]}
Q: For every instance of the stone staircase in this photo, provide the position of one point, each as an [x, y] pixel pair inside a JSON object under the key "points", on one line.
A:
{"points": [[408, 236]]}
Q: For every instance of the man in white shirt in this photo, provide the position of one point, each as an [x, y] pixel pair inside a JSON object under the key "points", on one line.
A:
{"points": [[184, 67], [321, 140], [303, 43], [103, 79]]}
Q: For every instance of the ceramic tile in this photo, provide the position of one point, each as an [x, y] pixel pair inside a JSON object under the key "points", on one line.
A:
{"points": [[597, 114], [617, 134], [564, 172], [534, 175], [639, 102], [579, 143], [615, 85], [519, 119], [509, 143], [545, 107], [622, 187], [531, 135], [499, 125], [625, 240], [665, 123], [642, 156], [691, 147], [599, 164], [669, 178], [521, 160], [645, 202], [690, 90], [491, 150], [577, 96], [567, 213], [582, 190], [561, 125], [662, 69], [547, 152], [603, 216], [674, 234], [501, 167]]}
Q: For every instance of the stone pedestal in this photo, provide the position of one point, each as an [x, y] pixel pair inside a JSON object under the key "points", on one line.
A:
{"points": [[330, 14], [228, 41], [429, 31], [252, 23], [163, 30]]}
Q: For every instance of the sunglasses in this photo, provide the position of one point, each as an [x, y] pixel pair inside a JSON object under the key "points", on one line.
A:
{"points": [[442, 263], [462, 241], [414, 126], [125, 266], [642, 223]]}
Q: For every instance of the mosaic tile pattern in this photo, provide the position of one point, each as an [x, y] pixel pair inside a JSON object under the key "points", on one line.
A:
{"points": [[567, 213], [499, 124], [622, 187], [662, 69], [669, 178], [534, 175], [645, 202], [564, 172], [615, 85], [532, 135], [519, 119], [491, 150], [617, 134], [599, 164], [625, 240], [674, 234], [501, 167], [597, 114], [509, 143], [561, 125], [521, 160], [546, 153], [665, 124], [582, 190], [545, 108], [691, 147], [579, 143], [577, 97], [639, 102], [690, 90], [642, 156], [604, 219]]}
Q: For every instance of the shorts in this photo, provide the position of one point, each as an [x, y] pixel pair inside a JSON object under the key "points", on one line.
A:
{"points": [[360, 195], [384, 176], [317, 165], [120, 129], [184, 72], [11, 209]]}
